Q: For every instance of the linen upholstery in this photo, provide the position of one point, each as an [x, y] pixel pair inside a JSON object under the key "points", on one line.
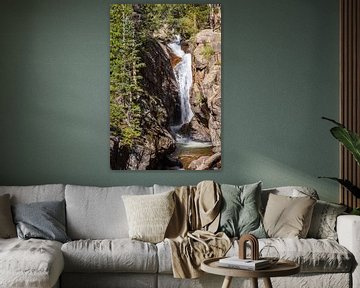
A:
{"points": [[35, 193], [32, 263], [7, 227], [108, 280], [288, 217], [313, 255], [148, 216], [348, 229], [98, 213], [110, 255]]}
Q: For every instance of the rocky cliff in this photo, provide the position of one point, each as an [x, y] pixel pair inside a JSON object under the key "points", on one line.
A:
{"points": [[159, 100], [206, 92]]}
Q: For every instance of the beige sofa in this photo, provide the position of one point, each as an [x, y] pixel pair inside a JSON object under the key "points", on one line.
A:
{"points": [[101, 254]]}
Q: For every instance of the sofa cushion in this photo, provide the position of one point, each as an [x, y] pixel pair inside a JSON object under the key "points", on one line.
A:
{"points": [[291, 191], [43, 220], [98, 213], [36, 193], [287, 216], [240, 210], [149, 215], [7, 226], [323, 222], [313, 255], [116, 255], [30, 263]]}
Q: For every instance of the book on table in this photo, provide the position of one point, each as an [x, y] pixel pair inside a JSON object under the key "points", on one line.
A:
{"points": [[249, 264]]}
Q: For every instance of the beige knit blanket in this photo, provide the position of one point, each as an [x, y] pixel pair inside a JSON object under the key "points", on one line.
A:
{"points": [[191, 231]]}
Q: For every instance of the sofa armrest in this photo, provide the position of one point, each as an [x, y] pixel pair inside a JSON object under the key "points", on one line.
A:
{"points": [[348, 230]]}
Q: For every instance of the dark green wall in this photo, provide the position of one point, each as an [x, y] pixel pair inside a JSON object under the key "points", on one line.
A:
{"points": [[280, 75]]}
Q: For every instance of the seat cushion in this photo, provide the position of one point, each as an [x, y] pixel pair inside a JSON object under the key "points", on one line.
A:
{"points": [[30, 263], [117, 255], [98, 213], [313, 255]]}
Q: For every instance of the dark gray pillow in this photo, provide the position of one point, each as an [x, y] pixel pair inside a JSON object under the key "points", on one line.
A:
{"points": [[44, 220], [240, 213]]}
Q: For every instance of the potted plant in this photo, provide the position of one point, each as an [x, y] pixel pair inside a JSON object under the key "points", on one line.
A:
{"points": [[351, 141]]}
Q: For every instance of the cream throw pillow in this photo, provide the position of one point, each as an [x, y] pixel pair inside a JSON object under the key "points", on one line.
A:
{"points": [[288, 217], [149, 215]]}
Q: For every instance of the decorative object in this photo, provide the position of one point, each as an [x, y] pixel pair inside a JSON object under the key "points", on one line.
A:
{"points": [[254, 246], [165, 86]]}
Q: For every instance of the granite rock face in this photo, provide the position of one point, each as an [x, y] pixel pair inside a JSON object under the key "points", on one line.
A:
{"points": [[206, 91], [160, 109]]}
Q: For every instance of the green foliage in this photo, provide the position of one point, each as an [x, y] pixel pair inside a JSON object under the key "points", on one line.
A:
{"points": [[351, 141], [207, 51], [125, 63], [183, 19]]}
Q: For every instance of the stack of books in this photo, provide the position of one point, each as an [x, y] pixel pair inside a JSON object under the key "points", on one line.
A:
{"points": [[248, 264]]}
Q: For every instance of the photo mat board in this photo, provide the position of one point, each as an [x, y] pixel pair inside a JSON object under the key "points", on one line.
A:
{"points": [[165, 86]]}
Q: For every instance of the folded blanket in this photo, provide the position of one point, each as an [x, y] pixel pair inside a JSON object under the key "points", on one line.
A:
{"points": [[191, 231]]}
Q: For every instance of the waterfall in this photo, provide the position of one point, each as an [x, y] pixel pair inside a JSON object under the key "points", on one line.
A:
{"points": [[183, 74]]}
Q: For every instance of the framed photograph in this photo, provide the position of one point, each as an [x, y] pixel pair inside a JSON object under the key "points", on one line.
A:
{"points": [[165, 86]]}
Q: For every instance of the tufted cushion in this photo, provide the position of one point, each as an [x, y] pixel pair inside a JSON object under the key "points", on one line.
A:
{"points": [[117, 255]]}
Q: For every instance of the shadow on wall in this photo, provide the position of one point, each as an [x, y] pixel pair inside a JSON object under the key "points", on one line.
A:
{"points": [[274, 173]]}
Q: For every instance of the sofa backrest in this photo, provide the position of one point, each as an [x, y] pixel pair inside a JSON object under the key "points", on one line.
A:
{"points": [[36, 193], [98, 212]]}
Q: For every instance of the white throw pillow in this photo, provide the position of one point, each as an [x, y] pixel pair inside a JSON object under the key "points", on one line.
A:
{"points": [[149, 215]]}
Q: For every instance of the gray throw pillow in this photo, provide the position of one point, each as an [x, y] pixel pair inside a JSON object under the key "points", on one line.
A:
{"points": [[44, 220], [7, 227], [323, 222], [240, 213]]}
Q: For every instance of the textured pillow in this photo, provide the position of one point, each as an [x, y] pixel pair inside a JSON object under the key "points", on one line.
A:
{"points": [[288, 217], [240, 210], [149, 215], [323, 222], [7, 227], [44, 220]]}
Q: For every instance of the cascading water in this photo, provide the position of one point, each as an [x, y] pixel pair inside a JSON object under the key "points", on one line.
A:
{"points": [[183, 74]]}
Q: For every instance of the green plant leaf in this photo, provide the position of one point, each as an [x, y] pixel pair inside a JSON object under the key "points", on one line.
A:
{"points": [[348, 138], [347, 184]]}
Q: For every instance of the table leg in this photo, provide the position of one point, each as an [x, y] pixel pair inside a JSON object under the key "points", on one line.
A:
{"points": [[254, 282], [227, 282], [267, 283]]}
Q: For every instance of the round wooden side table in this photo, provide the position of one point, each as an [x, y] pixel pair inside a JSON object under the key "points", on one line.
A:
{"points": [[281, 268]]}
